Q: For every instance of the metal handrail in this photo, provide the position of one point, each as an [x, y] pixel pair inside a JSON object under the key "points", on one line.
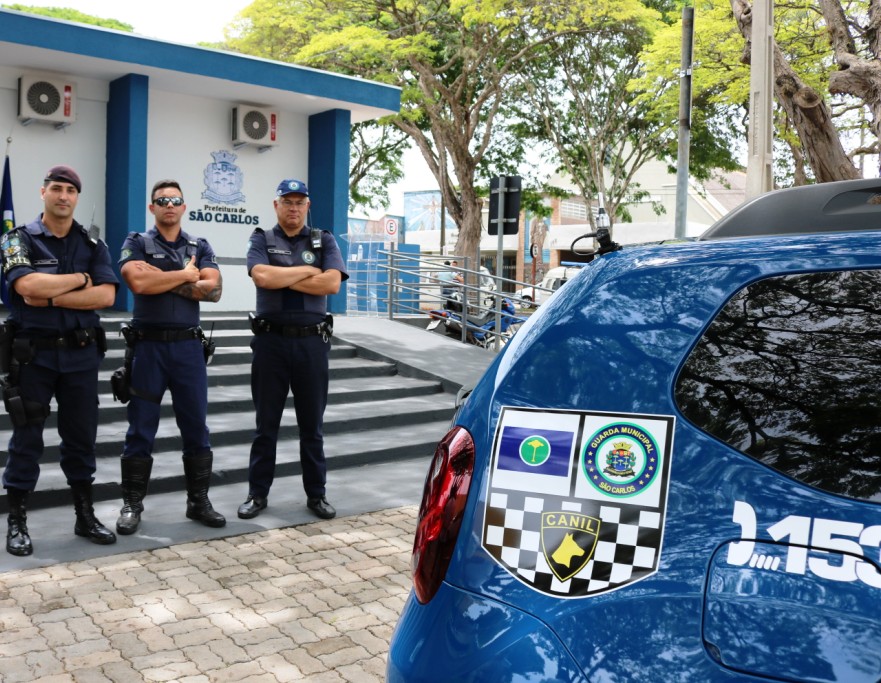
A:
{"points": [[475, 299]]}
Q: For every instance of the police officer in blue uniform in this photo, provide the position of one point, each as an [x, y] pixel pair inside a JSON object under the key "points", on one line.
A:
{"points": [[294, 269], [170, 273], [58, 278]]}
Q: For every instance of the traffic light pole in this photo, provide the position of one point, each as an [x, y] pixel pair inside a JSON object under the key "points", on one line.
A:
{"points": [[499, 251]]}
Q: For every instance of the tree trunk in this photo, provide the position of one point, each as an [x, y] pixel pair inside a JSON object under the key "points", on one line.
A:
{"points": [[856, 76], [805, 109]]}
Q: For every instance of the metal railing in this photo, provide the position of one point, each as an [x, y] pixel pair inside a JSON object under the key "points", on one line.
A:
{"points": [[416, 288]]}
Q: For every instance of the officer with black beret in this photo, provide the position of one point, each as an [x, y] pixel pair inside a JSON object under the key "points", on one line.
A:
{"points": [[294, 268], [58, 278]]}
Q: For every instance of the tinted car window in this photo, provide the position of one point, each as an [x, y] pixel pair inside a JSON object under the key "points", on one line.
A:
{"points": [[789, 373]]}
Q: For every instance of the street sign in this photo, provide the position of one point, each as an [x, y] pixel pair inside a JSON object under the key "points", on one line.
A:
{"points": [[391, 226], [506, 212]]}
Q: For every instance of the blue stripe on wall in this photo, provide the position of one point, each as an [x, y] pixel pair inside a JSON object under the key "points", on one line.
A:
{"points": [[126, 167], [329, 181]]}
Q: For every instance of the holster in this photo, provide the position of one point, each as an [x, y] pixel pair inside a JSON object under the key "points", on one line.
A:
{"points": [[121, 379], [7, 334], [13, 354], [22, 412]]}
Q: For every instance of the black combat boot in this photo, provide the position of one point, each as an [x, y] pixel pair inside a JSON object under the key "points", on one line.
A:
{"points": [[135, 479], [87, 525], [197, 469], [18, 541]]}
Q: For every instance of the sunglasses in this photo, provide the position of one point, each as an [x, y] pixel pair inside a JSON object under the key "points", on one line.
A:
{"points": [[166, 201]]}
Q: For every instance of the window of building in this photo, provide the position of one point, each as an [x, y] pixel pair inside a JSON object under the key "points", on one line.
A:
{"points": [[789, 373], [573, 208]]}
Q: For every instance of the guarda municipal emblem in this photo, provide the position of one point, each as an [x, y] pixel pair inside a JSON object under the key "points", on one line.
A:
{"points": [[576, 501], [223, 179]]}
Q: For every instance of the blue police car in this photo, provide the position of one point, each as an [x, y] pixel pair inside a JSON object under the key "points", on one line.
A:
{"points": [[673, 471]]}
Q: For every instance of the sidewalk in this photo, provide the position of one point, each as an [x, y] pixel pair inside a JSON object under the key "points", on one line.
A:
{"points": [[316, 602], [281, 597]]}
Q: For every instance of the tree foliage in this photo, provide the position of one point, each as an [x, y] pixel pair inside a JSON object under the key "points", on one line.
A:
{"points": [[456, 61], [376, 163], [811, 113], [578, 100], [73, 15]]}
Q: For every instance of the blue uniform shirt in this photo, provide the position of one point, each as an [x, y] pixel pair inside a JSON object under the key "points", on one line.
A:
{"points": [[166, 310], [277, 249], [34, 249]]}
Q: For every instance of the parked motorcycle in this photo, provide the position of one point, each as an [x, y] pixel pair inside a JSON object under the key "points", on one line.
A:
{"points": [[480, 327]]}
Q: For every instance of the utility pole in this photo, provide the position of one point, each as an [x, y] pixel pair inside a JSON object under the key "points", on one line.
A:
{"points": [[683, 157], [759, 167]]}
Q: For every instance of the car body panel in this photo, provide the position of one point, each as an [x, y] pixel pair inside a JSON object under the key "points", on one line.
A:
{"points": [[494, 629], [553, 280], [612, 342], [788, 624]]}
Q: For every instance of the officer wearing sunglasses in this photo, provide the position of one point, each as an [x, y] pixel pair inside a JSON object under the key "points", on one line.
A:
{"points": [[170, 274]]}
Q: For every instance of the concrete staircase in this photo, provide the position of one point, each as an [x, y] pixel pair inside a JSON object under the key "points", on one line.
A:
{"points": [[379, 410]]}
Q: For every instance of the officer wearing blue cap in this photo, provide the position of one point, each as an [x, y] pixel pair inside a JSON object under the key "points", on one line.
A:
{"points": [[170, 273], [294, 269], [53, 343]]}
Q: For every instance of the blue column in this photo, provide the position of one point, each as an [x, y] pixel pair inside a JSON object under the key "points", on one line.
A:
{"points": [[126, 167], [329, 181]]}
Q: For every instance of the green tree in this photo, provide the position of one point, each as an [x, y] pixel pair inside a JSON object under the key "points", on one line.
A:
{"points": [[578, 100], [808, 113], [455, 60], [376, 153], [73, 15]]}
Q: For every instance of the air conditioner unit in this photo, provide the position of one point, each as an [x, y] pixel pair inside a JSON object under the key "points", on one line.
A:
{"points": [[255, 126], [46, 99]]}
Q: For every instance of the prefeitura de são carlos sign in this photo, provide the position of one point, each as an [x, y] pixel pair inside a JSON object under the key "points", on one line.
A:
{"points": [[576, 500], [223, 189]]}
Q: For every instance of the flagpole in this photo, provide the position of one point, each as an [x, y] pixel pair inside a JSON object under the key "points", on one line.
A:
{"points": [[7, 213]]}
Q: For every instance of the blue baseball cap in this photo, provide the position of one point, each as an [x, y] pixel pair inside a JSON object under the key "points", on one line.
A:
{"points": [[291, 187]]}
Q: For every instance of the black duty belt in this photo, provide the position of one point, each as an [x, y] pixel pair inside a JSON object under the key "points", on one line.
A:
{"points": [[289, 330], [75, 339], [169, 335]]}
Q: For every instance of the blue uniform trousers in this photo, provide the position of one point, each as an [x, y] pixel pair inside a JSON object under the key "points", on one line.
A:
{"points": [[178, 366], [281, 365], [76, 394]]}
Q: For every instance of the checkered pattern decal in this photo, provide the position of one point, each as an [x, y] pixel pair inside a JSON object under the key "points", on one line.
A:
{"points": [[623, 547], [626, 550]]}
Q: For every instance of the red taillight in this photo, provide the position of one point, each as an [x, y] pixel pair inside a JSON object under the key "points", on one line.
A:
{"points": [[440, 515]]}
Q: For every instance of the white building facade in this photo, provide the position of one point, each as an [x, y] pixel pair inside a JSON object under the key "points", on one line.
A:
{"points": [[126, 111]]}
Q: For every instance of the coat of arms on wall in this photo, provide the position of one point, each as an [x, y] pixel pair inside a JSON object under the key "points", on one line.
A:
{"points": [[223, 179]]}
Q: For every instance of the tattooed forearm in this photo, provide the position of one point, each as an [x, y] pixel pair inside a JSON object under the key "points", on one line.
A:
{"points": [[192, 290]]}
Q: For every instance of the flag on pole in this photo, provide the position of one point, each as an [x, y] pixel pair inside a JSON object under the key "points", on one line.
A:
{"points": [[8, 214]]}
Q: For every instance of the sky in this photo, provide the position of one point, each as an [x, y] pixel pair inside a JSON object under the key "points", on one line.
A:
{"points": [[202, 21], [177, 21]]}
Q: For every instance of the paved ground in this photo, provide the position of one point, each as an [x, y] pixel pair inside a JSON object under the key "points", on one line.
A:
{"points": [[281, 597], [316, 602]]}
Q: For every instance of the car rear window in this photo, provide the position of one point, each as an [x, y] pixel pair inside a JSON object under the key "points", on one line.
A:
{"points": [[789, 373]]}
